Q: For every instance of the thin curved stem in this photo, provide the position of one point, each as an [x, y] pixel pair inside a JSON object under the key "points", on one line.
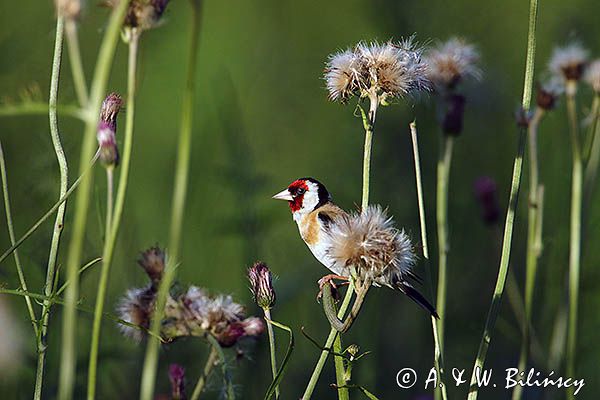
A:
{"points": [[575, 232], [178, 206], [312, 383], [438, 352], [60, 214], [532, 250], [443, 177], [11, 234], [271, 334], [211, 361], [68, 345], [75, 61], [512, 206], [114, 221]]}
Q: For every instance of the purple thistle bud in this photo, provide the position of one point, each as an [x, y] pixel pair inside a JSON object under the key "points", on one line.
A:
{"points": [[107, 129], [153, 262], [485, 190], [453, 120], [261, 285], [177, 378]]}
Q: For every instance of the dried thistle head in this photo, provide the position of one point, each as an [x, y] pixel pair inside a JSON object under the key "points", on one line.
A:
{"points": [[548, 93], [261, 285], [152, 261], [592, 75], [70, 9], [451, 62], [136, 307], [370, 242], [568, 62], [142, 14], [107, 129], [386, 70]]}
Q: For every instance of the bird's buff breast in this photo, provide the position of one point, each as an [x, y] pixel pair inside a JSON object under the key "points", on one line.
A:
{"points": [[316, 240]]}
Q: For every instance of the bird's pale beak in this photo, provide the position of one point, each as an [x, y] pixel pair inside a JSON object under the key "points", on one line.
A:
{"points": [[284, 195]]}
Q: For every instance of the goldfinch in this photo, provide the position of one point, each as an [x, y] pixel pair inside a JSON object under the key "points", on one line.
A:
{"points": [[339, 240]]}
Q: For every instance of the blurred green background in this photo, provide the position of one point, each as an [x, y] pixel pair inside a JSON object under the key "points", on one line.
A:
{"points": [[262, 119]]}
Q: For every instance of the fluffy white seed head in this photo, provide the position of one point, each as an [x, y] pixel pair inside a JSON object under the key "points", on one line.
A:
{"points": [[136, 308], [370, 242], [451, 62], [592, 75], [568, 62], [386, 69]]}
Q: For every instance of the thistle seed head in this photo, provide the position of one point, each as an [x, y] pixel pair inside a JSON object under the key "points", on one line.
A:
{"points": [[261, 285], [370, 242], [136, 307], [107, 130], [451, 62], [388, 70], [548, 93], [568, 62], [592, 75], [142, 14]]}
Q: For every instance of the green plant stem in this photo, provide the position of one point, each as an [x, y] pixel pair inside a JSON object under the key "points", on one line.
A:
{"points": [[75, 61], [35, 108], [592, 159], [532, 251], [11, 234], [178, 206], [512, 206], [328, 345], [438, 351], [443, 177], [575, 230], [211, 361], [110, 173], [271, 334], [340, 370], [60, 214], [113, 222], [68, 345], [48, 213]]}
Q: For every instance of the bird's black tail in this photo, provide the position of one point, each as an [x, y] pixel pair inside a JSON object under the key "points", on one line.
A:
{"points": [[417, 297]]}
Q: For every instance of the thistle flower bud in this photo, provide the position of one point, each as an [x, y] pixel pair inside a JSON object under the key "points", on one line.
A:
{"points": [[592, 75], [485, 191], [70, 9], [548, 93], [569, 61], [153, 262], [387, 70], [107, 129], [452, 123], [142, 14], [261, 285], [177, 379], [451, 62], [369, 241]]}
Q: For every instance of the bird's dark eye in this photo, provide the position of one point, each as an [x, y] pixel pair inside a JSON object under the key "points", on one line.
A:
{"points": [[300, 191]]}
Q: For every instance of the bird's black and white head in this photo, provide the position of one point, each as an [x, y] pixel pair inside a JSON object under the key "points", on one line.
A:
{"points": [[304, 195]]}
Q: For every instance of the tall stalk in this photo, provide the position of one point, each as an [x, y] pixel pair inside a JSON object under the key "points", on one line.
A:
{"points": [[438, 351], [114, 220], [68, 345], [178, 207], [532, 238], [60, 214], [212, 359], [512, 206], [267, 312], [75, 61], [443, 178], [13, 241], [575, 230]]}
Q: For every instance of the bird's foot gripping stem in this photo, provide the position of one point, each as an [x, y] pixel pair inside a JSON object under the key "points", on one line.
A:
{"points": [[331, 311]]}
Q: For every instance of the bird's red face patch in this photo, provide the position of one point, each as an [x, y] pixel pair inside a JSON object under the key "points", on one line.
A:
{"points": [[297, 189]]}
